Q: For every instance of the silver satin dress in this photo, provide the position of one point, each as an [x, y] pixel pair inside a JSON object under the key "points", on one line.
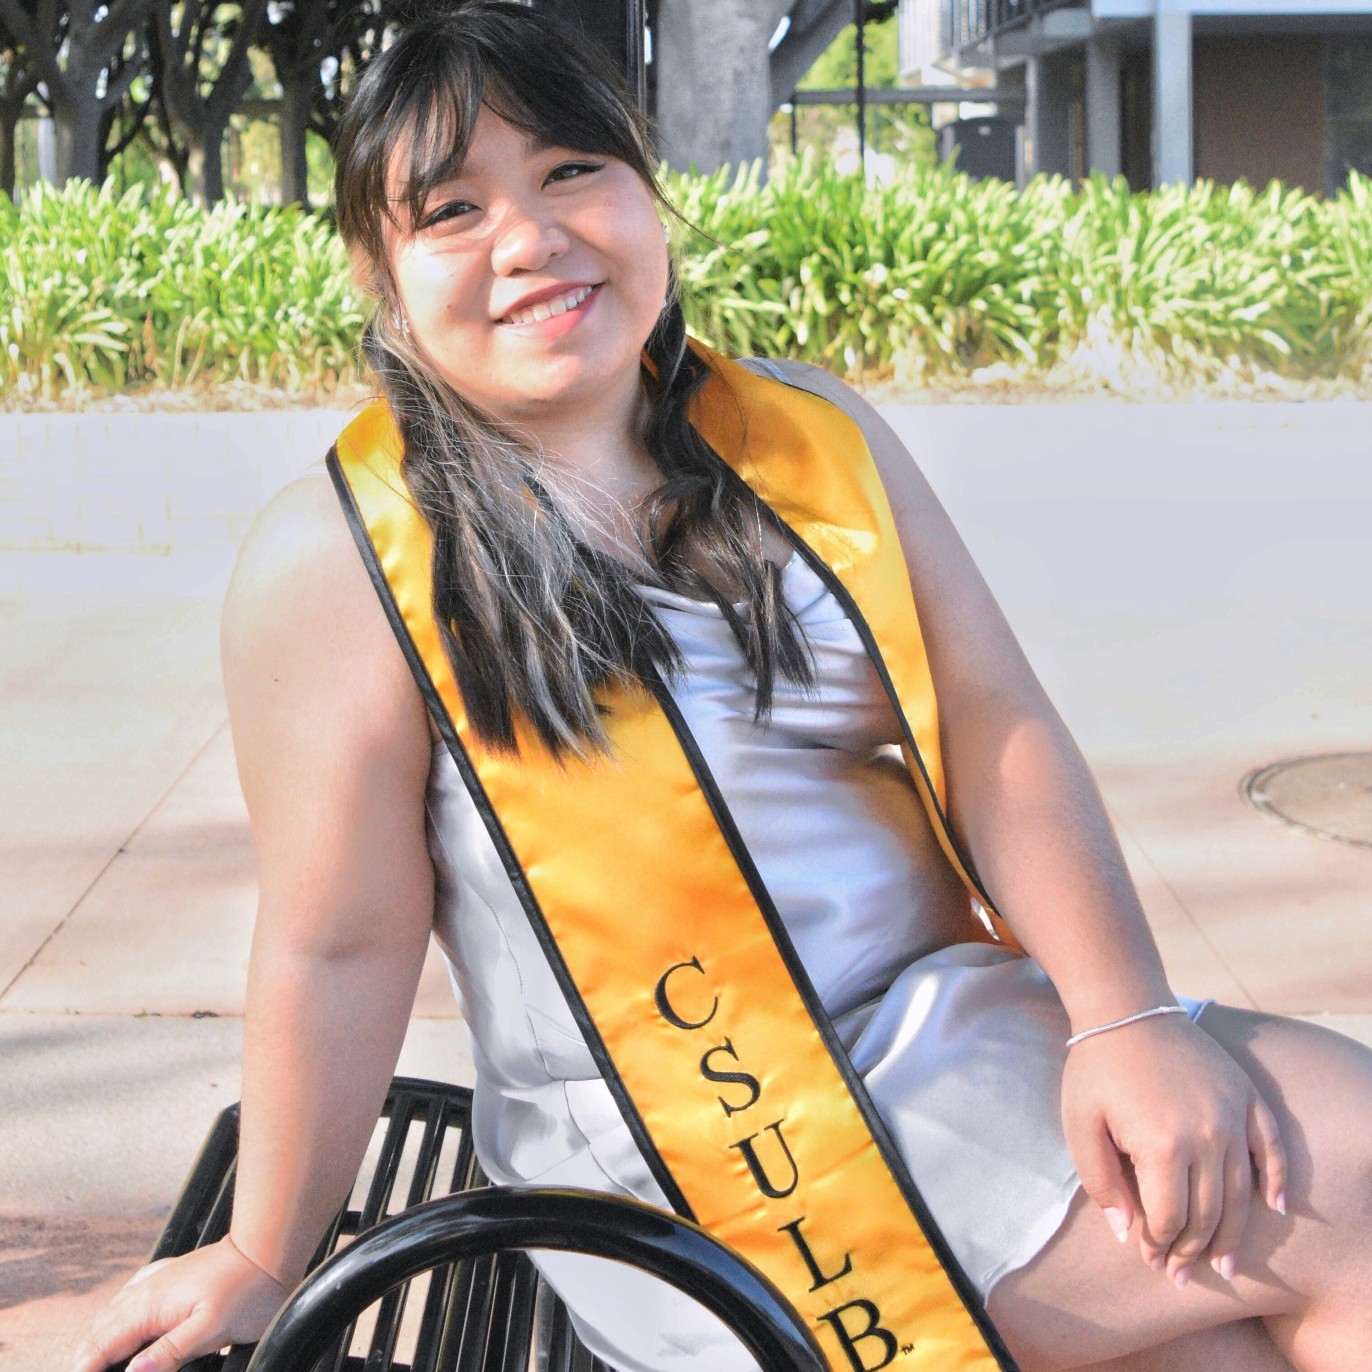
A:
{"points": [[961, 1045]]}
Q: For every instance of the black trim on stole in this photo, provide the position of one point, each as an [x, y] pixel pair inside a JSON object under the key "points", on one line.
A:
{"points": [[856, 618], [503, 847], [857, 1089]]}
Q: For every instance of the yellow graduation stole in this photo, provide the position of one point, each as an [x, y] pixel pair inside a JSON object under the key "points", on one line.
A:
{"points": [[663, 937]]}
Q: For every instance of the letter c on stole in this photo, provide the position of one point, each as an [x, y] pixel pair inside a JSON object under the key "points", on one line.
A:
{"points": [[664, 1006]]}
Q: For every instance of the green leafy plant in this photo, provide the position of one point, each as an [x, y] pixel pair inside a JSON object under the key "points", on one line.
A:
{"points": [[144, 289], [926, 276]]}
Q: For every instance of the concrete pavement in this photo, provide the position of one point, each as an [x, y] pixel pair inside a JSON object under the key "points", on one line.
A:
{"points": [[1190, 581]]}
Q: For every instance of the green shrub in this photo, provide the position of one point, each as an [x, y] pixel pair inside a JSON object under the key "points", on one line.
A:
{"points": [[934, 274], [928, 276], [116, 292], [817, 265]]}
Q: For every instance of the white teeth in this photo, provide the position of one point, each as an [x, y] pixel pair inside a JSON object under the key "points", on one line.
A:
{"points": [[535, 314]]}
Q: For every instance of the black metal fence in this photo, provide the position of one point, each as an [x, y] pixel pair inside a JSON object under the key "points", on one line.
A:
{"points": [[967, 22]]}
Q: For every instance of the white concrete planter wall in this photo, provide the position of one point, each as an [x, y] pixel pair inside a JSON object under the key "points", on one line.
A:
{"points": [[148, 482]]}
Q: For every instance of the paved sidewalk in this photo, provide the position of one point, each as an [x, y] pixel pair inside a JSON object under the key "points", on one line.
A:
{"points": [[1190, 581]]}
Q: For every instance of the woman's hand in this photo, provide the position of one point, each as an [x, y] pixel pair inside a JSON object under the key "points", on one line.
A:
{"points": [[182, 1308], [1166, 1128]]}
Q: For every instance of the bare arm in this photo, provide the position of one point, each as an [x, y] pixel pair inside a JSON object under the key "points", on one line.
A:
{"points": [[1025, 806], [333, 753], [1021, 797]]}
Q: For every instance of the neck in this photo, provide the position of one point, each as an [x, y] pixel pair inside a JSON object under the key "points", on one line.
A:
{"points": [[599, 446]]}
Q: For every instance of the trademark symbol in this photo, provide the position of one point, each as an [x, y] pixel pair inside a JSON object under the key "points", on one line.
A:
{"points": [[907, 1348]]}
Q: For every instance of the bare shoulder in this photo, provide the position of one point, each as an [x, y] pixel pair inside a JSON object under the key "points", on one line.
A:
{"points": [[329, 730], [905, 485], [304, 634], [300, 575], [831, 387], [299, 545], [970, 643]]}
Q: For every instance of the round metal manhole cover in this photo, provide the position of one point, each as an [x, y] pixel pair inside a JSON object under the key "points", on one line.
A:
{"points": [[1330, 796]]}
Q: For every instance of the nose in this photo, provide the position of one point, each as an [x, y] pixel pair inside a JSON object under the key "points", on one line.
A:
{"points": [[526, 240]]}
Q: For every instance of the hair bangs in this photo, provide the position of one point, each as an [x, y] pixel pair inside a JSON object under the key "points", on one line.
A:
{"points": [[441, 123]]}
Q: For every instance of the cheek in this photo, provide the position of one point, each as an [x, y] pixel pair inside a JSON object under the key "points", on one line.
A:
{"points": [[627, 230], [645, 256], [436, 288]]}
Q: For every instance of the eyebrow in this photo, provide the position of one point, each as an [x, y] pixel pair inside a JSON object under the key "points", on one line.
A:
{"points": [[533, 145]]}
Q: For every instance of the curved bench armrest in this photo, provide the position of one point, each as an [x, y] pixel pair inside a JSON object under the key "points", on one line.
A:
{"points": [[496, 1219]]}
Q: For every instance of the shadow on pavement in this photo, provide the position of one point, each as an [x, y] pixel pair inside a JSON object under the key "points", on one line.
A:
{"points": [[44, 1257]]}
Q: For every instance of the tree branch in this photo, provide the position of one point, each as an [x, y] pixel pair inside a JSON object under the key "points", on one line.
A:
{"points": [[117, 85], [25, 31], [236, 74], [127, 14], [140, 117], [17, 88], [204, 15], [114, 32], [14, 18]]}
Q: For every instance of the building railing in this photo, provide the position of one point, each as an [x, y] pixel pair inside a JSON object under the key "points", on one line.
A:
{"points": [[968, 22]]}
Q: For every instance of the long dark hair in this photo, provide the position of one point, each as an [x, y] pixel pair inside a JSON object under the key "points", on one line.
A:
{"points": [[533, 618]]}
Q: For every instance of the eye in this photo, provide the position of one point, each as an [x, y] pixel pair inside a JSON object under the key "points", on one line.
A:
{"points": [[566, 171], [452, 209]]}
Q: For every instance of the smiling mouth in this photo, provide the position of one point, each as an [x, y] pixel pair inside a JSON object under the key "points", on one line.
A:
{"points": [[550, 309]]}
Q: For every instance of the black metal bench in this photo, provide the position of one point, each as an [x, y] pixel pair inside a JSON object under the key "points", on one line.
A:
{"points": [[412, 1282]]}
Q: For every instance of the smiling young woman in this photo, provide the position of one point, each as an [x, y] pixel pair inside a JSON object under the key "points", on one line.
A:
{"points": [[664, 695]]}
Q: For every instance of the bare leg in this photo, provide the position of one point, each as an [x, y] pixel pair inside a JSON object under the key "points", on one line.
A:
{"points": [[1087, 1301], [1242, 1347]]}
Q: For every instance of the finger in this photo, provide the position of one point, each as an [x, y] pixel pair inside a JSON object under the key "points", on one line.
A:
{"points": [[191, 1339], [114, 1336], [1164, 1198], [1238, 1199], [1102, 1176], [1205, 1206], [1269, 1154]]}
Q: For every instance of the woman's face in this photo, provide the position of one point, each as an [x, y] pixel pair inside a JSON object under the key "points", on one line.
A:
{"points": [[532, 280]]}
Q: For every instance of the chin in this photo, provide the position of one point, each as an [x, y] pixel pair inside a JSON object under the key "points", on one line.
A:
{"points": [[568, 380]]}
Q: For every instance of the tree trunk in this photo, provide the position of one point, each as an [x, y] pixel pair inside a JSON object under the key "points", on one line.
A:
{"points": [[212, 163], [720, 46], [18, 85], [77, 126], [205, 164], [9, 122], [295, 125], [91, 57], [204, 118]]}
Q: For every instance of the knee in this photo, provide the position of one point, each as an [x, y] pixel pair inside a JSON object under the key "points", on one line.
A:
{"points": [[1329, 1143], [1319, 1085]]}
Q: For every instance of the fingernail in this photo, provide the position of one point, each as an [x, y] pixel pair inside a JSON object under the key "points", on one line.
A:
{"points": [[1158, 1261], [140, 1364], [1182, 1277], [1279, 1205], [1224, 1266], [1119, 1226]]}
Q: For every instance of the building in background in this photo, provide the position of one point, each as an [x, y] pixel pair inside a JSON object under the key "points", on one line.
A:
{"points": [[1160, 90]]}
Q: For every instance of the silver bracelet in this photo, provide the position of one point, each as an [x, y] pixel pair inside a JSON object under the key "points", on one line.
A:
{"points": [[1128, 1019]]}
